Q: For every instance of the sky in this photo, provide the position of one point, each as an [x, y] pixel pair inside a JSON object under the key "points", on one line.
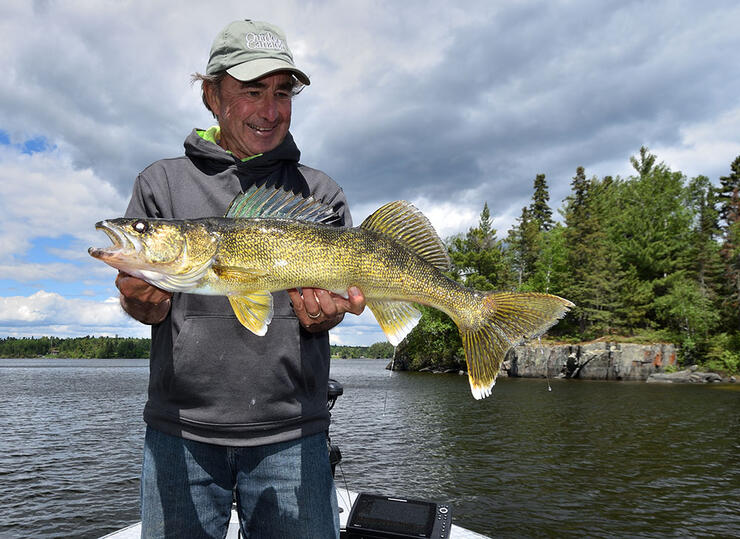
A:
{"points": [[446, 106]]}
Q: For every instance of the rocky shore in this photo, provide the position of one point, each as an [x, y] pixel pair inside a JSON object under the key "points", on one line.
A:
{"points": [[597, 361]]}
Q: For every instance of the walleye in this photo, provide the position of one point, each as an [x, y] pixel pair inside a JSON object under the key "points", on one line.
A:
{"points": [[273, 240]]}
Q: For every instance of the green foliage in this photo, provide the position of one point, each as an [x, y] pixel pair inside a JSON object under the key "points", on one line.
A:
{"points": [[724, 353], [653, 257], [540, 208], [380, 350], [78, 348], [434, 342], [477, 257], [550, 269]]}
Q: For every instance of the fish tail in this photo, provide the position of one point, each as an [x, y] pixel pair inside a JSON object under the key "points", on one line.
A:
{"points": [[504, 320]]}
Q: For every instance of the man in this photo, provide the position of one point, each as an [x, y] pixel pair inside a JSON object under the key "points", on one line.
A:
{"points": [[229, 411]]}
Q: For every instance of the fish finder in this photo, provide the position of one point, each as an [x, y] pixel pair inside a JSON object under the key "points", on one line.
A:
{"points": [[374, 516]]}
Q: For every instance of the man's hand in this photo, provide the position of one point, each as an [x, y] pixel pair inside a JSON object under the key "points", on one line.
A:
{"points": [[320, 310], [142, 301]]}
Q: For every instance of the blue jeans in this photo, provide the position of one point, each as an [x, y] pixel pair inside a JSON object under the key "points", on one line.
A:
{"points": [[282, 490]]}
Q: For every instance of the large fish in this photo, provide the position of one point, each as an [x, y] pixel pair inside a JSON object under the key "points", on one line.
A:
{"points": [[273, 240]]}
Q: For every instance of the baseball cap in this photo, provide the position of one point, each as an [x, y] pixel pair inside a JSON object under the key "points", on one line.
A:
{"points": [[248, 50]]}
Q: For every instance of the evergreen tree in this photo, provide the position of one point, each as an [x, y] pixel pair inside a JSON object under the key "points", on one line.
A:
{"points": [[644, 165], [550, 271], [729, 194], [523, 245], [478, 258], [729, 200], [651, 233], [593, 271], [540, 208], [705, 252]]}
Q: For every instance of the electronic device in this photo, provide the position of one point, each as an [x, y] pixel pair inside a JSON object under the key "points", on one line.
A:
{"points": [[374, 516]]}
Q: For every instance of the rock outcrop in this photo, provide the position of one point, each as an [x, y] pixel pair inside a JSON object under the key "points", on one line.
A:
{"points": [[590, 361], [690, 376]]}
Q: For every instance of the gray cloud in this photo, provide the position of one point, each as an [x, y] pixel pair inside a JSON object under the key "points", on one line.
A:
{"points": [[433, 101]]}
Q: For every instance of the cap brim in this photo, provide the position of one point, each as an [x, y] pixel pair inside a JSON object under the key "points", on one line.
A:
{"points": [[255, 69]]}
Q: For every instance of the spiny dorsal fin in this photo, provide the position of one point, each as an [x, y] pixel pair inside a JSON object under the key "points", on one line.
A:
{"points": [[270, 201], [403, 222]]}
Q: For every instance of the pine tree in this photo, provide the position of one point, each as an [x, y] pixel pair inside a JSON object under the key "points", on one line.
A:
{"points": [[644, 165], [523, 246], [478, 258], [651, 233], [729, 200], [540, 209]]}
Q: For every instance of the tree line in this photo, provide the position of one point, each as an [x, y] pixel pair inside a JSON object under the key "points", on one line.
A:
{"points": [[76, 347], [130, 348], [654, 257]]}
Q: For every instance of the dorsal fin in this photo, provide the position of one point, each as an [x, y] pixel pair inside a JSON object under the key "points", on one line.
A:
{"points": [[270, 201], [403, 222]]}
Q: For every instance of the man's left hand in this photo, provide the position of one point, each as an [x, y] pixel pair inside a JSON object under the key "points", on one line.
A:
{"points": [[320, 310]]}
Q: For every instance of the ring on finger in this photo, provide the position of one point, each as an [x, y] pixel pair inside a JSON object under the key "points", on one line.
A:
{"points": [[313, 316]]}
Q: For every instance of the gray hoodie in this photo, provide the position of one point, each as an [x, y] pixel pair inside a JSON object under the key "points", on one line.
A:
{"points": [[211, 379]]}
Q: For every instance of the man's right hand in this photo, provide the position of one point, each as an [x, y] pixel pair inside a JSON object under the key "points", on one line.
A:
{"points": [[142, 301]]}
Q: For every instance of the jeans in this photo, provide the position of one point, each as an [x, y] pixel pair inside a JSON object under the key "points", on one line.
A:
{"points": [[282, 491]]}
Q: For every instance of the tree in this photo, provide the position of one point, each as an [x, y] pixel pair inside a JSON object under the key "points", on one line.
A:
{"points": [[477, 257], [540, 209], [523, 245], [550, 272], [592, 274], [729, 200], [644, 165], [651, 234]]}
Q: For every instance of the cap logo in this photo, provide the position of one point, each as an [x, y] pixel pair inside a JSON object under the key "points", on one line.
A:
{"points": [[264, 40]]}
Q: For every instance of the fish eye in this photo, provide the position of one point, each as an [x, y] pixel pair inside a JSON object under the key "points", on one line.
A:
{"points": [[140, 226]]}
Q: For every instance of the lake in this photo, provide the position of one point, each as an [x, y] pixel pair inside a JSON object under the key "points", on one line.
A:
{"points": [[537, 459]]}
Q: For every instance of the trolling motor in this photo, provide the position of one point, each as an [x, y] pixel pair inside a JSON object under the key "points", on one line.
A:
{"points": [[335, 455]]}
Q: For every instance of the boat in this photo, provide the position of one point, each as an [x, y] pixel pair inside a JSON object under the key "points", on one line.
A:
{"points": [[366, 515], [346, 499]]}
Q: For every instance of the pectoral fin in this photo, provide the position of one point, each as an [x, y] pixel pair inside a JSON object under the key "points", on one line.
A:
{"points": [[396, 318], [237, 274], [254, 311]]}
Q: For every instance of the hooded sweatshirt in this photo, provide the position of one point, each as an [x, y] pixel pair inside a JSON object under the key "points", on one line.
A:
{"points": [[211, 379]]}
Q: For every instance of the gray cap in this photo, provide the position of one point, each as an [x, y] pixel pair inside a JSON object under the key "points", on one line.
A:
{"points": [[248, 50]]}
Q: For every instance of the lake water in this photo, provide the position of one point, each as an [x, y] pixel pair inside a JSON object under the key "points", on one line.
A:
{"points": [[590, 459]]}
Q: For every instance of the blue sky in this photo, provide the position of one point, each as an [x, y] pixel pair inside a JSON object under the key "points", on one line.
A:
{"points": [[446, 106]]}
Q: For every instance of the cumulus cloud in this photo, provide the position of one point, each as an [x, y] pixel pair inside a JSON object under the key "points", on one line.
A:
{"points": [[49, 313], [44, 195]]}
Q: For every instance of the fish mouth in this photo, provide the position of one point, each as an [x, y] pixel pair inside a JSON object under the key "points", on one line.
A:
{"points": [[123, 244]]}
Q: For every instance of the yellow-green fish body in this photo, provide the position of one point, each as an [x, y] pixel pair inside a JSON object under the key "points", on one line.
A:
{"points": [[271, 240]]}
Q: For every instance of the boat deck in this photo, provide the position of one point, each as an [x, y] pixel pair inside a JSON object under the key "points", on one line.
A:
{"points": [[345, 498]]}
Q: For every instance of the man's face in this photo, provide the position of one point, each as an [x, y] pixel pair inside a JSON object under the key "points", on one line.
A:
{"points": [[254, 116]]}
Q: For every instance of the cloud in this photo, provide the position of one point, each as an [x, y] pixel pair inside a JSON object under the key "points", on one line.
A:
{"points": [[49, 313], [44, 195], [359, 330]]}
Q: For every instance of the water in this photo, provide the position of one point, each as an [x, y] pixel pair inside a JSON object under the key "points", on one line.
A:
{"points": [[591, 459]]}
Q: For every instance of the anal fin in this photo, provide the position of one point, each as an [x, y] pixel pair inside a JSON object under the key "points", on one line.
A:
{"points": [[254, 311], [396, 318]]}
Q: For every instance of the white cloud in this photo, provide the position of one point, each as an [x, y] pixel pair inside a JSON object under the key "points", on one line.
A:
{"points": [[707, 147], [362, 330], [44, 195], [49, 313]]}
